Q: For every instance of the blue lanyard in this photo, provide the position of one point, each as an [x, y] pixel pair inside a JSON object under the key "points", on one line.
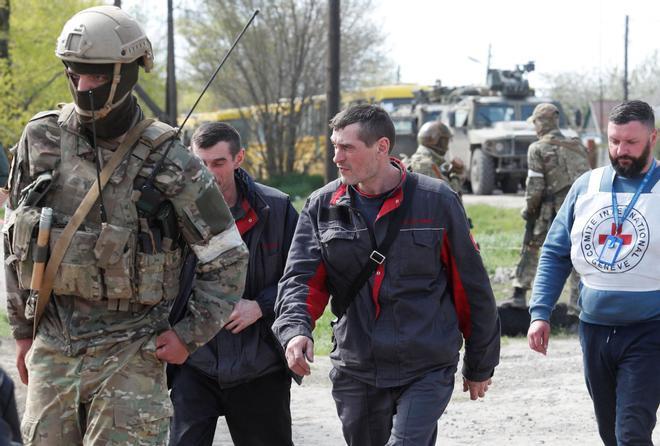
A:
{"points": [[615, 206]]}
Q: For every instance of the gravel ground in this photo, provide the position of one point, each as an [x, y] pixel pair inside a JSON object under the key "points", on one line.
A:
{"points": [[534, 400]]}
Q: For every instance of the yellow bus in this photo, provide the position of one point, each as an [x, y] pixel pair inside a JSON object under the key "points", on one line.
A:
{"points": [[309, 151]]}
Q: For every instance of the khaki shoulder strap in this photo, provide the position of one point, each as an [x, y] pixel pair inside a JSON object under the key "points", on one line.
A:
{"points": [[62, 244]]}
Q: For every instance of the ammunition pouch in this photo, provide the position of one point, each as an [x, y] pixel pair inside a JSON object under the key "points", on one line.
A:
{"points": [[78, 274], [32, 194], [20, 232], [95, 267]]}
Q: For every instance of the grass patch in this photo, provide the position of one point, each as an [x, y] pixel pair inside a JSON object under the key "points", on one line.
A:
{"points": [[5, 331], [499, 233], [296, 185]]}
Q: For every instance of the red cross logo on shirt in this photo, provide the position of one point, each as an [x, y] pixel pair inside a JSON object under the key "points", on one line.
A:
{"points": [[627, 238]]}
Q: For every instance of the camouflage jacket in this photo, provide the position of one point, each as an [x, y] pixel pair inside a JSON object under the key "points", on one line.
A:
{"points": [[554, 163], [75, 322], [430, 163]]}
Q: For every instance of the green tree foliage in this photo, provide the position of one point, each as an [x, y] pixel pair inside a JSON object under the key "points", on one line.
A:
{"points": [[32, 79]]}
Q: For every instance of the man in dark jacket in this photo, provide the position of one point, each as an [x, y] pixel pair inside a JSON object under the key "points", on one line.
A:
{"points": [[398, 334], [240, 373]]}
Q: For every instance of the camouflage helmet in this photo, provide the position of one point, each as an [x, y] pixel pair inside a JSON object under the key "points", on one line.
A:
{"points": [[545, 118], [103, 40], [434, 135], [103, 35]]}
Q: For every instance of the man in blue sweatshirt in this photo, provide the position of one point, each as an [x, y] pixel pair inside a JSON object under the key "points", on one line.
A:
{"points": [[609, 230]]}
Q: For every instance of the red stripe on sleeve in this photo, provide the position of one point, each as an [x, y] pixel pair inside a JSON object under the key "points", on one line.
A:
{"points": [[458, 291], [317, 296], [375, 291]]}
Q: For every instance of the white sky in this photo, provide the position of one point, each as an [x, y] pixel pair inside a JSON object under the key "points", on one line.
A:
{"points": [[432, 40]]}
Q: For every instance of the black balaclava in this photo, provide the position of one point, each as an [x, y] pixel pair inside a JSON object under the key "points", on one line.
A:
{"points": [[115, 118]]}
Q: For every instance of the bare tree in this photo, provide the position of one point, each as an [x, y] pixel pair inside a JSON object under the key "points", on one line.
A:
{"points": [[575, 91], [280, 65]]}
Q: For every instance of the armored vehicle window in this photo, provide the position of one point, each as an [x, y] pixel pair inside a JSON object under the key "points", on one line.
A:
{"points": [[488, 114], [430, 116], [404, 127], [461, 118]]}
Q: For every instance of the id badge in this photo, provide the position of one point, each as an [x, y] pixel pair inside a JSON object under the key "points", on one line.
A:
{"points": [[610, 251]]}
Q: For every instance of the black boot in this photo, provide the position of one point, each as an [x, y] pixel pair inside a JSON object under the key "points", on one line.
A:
{"points": [[517, 300]]}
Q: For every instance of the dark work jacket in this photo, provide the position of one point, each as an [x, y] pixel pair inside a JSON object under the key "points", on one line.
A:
{"points": [[267, 229], [431, 292]]}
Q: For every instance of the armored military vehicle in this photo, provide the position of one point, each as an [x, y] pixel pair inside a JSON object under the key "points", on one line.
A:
{"points": [[489, 125]]}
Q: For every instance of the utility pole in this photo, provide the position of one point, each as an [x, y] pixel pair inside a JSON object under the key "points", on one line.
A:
{"points": [[4, 29], [332, 93], [170, 88], [490, 54], [625, 63]]}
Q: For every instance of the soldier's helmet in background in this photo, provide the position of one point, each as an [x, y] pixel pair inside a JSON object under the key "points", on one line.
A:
{"points": [[434, 135], [103, 40], [545, 118]]}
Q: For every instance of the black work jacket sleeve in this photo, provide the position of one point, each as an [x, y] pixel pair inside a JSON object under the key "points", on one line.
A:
{"points": [[266, 297], [472, 295], [302, 292]]}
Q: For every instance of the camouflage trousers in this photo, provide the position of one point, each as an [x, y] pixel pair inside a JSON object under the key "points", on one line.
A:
{"points": [[528, 263], [109, 395]]}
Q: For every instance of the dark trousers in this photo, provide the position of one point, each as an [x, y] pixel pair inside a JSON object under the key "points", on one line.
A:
{"points": [[622, 372], [405, 415], [11, 426], [257, 412]]}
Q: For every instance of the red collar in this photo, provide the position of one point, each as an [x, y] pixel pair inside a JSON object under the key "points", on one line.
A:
{"points": [[247, 222]]}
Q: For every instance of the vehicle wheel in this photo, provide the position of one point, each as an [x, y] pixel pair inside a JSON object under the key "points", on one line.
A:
{"points": [[482, 173], [510, 185]]}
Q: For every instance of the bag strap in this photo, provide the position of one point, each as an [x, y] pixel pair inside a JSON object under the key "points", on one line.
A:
{"points": [[62, 243], [379, 253]]}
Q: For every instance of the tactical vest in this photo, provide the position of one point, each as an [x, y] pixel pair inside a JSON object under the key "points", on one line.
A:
{"points": [[104, 261], [572, 162]]}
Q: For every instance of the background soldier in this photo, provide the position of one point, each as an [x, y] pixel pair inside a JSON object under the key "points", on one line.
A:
{"points": [[240, 374], [554, 162], [95, 368], [429, 158]]}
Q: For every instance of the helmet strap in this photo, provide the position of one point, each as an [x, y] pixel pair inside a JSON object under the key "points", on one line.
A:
{"points": [[109, 105]]}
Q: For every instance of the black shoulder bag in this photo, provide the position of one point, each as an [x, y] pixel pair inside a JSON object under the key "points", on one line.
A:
{"points": [[379, 252]]}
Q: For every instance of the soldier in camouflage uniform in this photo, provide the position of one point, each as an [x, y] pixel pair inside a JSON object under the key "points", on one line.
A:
{"points": [[96, 368], [554, 162], [429, 158]]}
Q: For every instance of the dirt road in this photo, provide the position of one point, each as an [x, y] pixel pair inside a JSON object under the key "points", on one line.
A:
{"points": [[534, 400]]}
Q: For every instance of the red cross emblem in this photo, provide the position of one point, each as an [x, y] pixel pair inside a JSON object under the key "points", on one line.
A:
{"points": [[627, 238]]}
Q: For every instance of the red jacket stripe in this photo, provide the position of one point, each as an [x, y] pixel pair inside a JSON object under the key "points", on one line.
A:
{"points": [[458, 291], [375, 291], [317, 296]]}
